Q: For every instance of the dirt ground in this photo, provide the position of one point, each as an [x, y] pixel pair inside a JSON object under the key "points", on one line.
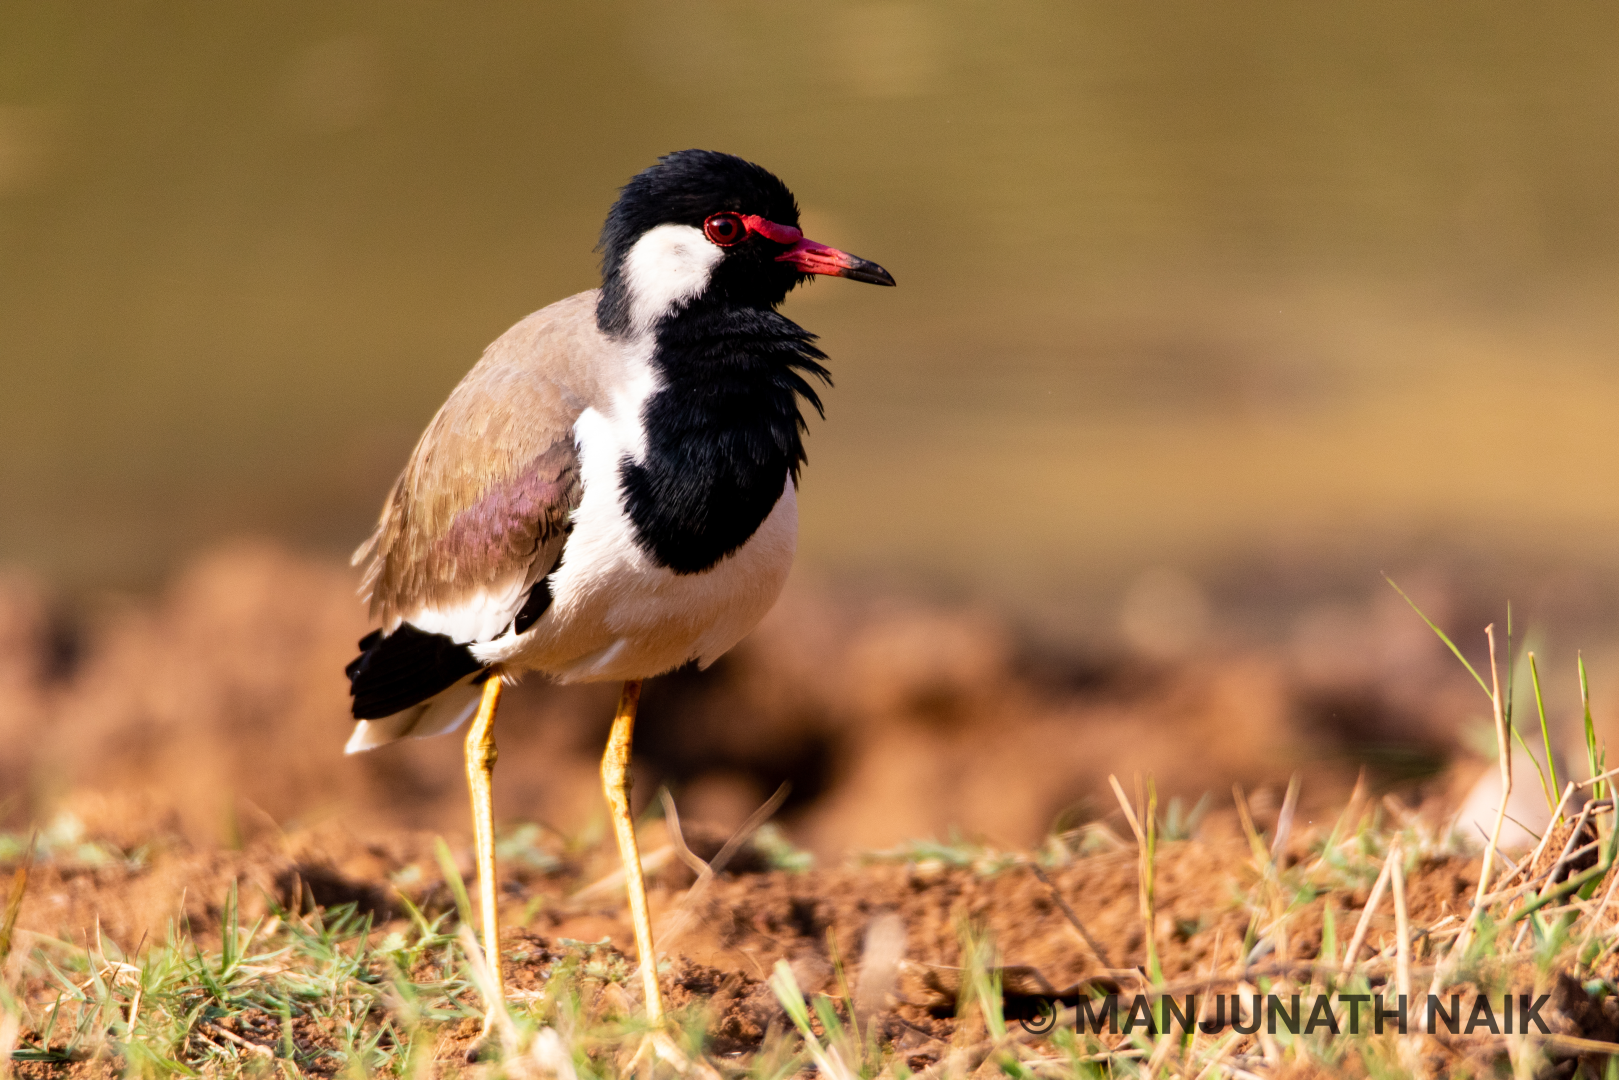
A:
{"points": [[219, 707], [723, 940], [194, 739]]}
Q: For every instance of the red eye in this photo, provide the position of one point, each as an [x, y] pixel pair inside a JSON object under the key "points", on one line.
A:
{"points": [[725, 229]]}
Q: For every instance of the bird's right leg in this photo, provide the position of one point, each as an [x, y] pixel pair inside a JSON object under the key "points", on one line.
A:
{"points": [[616, 785], [481, 755]]}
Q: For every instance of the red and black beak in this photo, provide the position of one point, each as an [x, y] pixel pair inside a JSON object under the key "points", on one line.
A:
{"points": [[811, 258]]}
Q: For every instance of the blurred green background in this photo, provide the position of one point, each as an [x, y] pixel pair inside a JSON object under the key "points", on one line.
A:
{"points": [[1187, 285]]}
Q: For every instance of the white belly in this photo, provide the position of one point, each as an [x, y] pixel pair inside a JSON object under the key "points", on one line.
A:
{"points": [[615, 614]]}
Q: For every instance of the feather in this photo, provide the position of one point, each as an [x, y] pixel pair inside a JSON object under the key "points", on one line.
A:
{"points": [[438, 715], [482, 509]]}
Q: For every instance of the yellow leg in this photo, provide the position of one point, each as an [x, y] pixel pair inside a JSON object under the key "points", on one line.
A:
{"points": [[481, 755], [616, 783]]}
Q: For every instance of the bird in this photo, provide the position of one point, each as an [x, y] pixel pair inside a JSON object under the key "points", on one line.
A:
{"points": [[609, 494]]}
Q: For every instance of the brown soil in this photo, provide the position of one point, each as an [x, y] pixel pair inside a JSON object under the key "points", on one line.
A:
{"points": [[205, 729], [219, 708], [744, 923]]}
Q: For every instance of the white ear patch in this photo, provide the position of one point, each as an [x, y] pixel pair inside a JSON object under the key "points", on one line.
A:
{"points": [[665, 269]]}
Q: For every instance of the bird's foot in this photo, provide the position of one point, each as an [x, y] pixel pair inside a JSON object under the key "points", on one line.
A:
{"points": [[657, 1046], [486, 1047], [497, 1038]]}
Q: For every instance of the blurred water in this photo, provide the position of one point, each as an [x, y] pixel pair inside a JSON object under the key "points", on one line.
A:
{"points": [[1180, 285]]}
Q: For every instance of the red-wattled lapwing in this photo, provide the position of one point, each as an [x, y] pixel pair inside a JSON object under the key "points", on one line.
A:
{"points": [[610, 492]]}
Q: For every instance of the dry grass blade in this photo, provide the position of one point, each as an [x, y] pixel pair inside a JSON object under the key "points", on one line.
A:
{"points": [[671, 821], [1402, 922], [1523, 867], [1146, 856], [609, 883], [1072, 917], [1202, 1005], [1372, 901], [19, 887], [677, 922], [1595, 920], [1513, 870], [251, 1047], [1251, 831], [1503, 741], [1144, 861], [1598, 779], [1129, 811], [1218, 1055], [1577, 1044], [1569, 852], [1284, 822], [1166, 1043], [766, 811], [1551, 876], [1357, 797]]}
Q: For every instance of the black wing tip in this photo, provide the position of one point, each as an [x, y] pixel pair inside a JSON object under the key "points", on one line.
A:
{"points": [[535, 605], [404, 668]]}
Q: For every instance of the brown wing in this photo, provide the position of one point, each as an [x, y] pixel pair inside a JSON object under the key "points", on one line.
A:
{"points": [[482, 510]]}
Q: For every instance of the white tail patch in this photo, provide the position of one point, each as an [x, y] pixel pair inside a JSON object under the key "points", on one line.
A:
{"points": [[438, 715]]}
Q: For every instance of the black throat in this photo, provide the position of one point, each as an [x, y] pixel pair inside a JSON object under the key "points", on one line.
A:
{"points": [[724, 431]]}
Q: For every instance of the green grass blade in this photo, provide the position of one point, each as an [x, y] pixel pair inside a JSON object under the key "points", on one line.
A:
{"points": [[452, 877], [1545, 732], [1593, 761], [1451, 645]]}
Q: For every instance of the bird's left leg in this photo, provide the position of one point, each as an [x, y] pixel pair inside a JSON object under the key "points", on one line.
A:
{"points": [[481, 755]]}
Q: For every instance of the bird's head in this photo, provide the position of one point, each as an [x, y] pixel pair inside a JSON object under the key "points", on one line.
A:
{"points": [[701, 224]]}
